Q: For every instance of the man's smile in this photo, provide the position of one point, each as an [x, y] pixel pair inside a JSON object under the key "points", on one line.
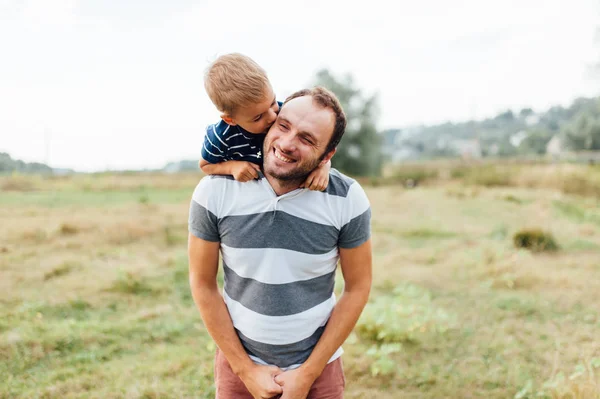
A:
{"points": [[282, 157]]}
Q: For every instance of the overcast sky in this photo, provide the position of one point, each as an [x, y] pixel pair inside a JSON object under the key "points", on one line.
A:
{"points": [[118, 84]]}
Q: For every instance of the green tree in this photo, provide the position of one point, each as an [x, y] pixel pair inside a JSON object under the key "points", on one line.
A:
{"points": [[535, 142], [506, 116], [359, 152], [584, 132], [525, 112]]}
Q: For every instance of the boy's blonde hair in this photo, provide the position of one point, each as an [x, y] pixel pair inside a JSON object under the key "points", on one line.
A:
{"points": [[235, 80]]}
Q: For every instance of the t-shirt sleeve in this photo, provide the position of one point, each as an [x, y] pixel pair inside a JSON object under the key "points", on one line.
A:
{"points": [[214, 149], [357, 227], [203, 221]]}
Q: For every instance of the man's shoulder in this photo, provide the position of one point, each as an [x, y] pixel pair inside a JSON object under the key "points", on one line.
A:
{"points": [[340, 185], [214, 180], [210, 183], [213, 183]]}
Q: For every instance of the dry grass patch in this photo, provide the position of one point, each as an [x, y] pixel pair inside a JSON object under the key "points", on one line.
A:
{"points": [[36, 236], [127, 233], [61, 270], [19, 183], [132, 284]]}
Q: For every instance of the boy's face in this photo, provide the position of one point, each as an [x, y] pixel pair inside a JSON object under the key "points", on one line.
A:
{"points": [[256, 118]]}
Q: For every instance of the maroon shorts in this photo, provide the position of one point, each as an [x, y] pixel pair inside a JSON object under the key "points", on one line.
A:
{"points": [[329, 385]]}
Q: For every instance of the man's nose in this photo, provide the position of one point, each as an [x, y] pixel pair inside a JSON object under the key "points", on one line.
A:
{"points": [[287, 143]]}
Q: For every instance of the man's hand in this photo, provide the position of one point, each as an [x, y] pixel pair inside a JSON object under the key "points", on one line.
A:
{"points": [[260, 381], [243, 171], [295, 383], [318, 178]]}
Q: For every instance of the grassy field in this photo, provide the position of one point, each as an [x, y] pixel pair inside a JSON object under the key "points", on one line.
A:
{"points": [[95, 303]]}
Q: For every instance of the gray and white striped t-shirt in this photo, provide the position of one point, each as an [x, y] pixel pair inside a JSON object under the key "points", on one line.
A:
{"points": [[279, 256]]}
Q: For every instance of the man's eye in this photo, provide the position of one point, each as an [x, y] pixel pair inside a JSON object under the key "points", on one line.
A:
{"points": [[284, 127]]}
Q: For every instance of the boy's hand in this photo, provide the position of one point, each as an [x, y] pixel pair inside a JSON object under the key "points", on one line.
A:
{"points": [[244, 171], [318, 178]]}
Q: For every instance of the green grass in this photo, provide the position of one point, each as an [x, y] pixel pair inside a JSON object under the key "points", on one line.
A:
{"points": [[96, 304], [78, 348], [577, 212], [57, 199], [427, 234]]}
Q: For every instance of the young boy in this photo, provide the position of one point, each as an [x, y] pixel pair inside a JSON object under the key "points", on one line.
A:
{"points": [[241, 91]]}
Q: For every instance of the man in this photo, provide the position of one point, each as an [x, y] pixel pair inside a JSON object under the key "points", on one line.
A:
{"points": [[277, 326]]}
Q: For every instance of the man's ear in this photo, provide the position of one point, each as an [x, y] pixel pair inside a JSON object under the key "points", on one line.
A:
{"points": [[228, 119], [328, 157]]}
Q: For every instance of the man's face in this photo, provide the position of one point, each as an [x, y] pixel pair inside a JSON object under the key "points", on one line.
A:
{"points": [[257, 118], [296, 142]]}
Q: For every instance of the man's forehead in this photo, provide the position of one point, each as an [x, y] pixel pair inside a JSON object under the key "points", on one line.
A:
{"points": [[296, 105], [305, 109], [308, 117]]}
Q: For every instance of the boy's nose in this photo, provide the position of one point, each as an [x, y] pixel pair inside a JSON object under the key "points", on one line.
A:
{"points": [[271, 116]]}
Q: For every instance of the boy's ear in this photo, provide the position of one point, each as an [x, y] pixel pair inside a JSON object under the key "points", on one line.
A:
{"points": [[328, 157], [228, 119]]}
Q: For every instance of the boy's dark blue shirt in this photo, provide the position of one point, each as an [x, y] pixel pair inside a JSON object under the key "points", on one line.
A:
{"points": [[224, 142]]}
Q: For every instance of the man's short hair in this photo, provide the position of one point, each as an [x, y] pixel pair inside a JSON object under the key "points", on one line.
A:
{"points": [[326, 99], [235, 80]]}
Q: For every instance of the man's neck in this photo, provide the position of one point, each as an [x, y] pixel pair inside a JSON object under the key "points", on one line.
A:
{"points": [[283, 186]]}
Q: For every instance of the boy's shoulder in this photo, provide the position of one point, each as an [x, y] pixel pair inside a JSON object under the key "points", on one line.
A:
{"points": [[222, 128], [225, 133]]}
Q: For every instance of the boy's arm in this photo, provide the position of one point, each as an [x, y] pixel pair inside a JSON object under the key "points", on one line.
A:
{"points": [[318, 179], [240, 170], [215, 156]]}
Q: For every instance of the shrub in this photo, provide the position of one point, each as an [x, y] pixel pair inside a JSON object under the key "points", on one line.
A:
{"points": [[67, 229], [383, 364], [406, 316], [144, 199], [535, 240]]}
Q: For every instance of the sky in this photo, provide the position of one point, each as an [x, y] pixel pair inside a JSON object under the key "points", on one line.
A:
{"points": [[106, 84]]}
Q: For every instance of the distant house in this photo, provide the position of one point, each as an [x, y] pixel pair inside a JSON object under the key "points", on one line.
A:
{"points": [[494, 149], [554, 147], [468, 149], [395, 145], [517, 138], [532, 119], [404, 153]]}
